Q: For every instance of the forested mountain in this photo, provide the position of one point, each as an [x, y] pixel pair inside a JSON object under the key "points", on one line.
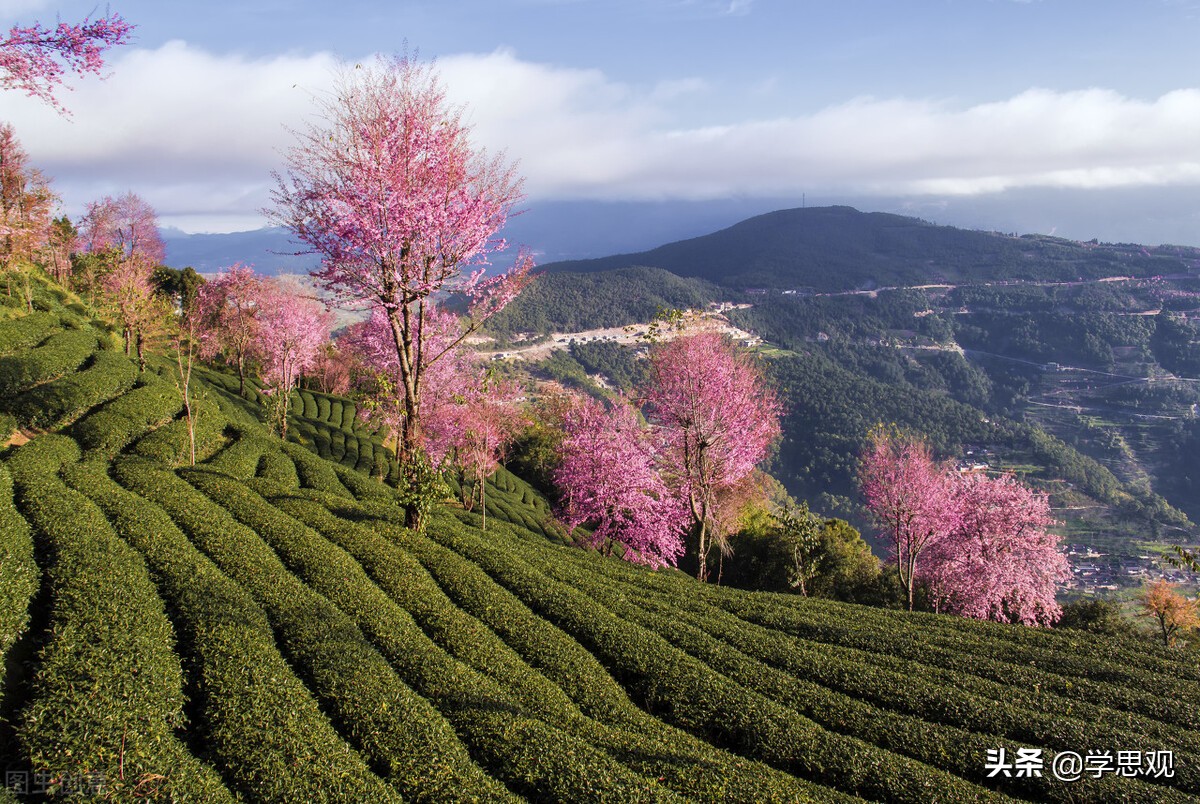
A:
{"points": [[830, 249]]}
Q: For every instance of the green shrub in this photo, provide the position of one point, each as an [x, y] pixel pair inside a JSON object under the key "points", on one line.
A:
{"points": [[881, 639], [911, 711], [310, 405], [363, 487], [240, 457], [108, 430], [394, 728], [315, 473], [19, 574], [480, 708], [637, 740], [691, 695], [171, 443], [275, 466]]}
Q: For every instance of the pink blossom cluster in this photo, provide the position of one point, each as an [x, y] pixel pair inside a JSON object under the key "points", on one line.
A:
{"points": [[245, 318], [979, 545], [127, 226], [710, 420], [391, 194], [610, 479], [226, 316], [35, 58], [714, 416], [291, 331]]}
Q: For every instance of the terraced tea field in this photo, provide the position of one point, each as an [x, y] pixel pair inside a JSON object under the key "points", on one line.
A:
{"points": [[260, 627]]}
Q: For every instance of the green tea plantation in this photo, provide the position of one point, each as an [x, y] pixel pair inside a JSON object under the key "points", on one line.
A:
{"points": [[261, 627]]}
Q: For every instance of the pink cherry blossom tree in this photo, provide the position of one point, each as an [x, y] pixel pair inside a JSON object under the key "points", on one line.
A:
{"points": [[448, 378], [291, 332], [26, 203], [125, 226], [481, 425], [999, 562], [226, 315], [34, 59], [333, 372], [128, 293], [911, 497], [399, 204], [609, 480], [714, 418], [123, 232]]}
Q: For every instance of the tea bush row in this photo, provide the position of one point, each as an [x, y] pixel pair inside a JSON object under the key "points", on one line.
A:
{"points": [[58, 401], [19, 574], [1088, 656], [1153, 697], [60, 353], [106, 695], [693, 696], [26, 331], [257, 721], [741, 654], [882, 639], [692, 768], [955, 697], [108, 430], [381, 716], [171, 443], [545, 763]]}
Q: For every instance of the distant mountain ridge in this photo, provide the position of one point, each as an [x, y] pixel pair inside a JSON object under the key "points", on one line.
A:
{"points": [[268, 251], [553, 230], [829, 249]]}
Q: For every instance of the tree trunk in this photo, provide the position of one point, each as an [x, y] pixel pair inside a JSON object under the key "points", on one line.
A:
{"points": [[410, 429], [483, 501], [702, 548]]}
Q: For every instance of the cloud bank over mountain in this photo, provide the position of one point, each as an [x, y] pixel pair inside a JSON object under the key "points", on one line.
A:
{"points": [[197, 133]]}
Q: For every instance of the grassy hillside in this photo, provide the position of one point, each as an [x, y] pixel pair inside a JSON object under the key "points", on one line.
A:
{"points": [[260, 627], [829, 249]]}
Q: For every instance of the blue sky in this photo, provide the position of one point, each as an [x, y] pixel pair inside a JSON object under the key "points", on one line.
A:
{"points": [[1068, 116]]}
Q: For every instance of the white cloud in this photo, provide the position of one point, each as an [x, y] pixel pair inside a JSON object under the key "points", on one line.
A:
{"points": [[194, 133], [197, 135]]}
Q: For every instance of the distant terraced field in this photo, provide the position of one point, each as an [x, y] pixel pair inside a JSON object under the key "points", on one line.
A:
{"points": [[261, 627]]}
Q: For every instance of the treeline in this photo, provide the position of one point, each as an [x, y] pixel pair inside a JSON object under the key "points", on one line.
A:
{"points": [[571, 302], [790, 320]]}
